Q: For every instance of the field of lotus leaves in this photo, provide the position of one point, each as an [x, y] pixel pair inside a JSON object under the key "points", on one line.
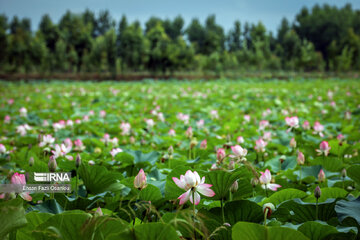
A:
{"points": [[248, 159]]}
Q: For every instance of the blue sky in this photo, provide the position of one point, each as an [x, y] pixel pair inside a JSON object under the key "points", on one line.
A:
{"points": [[269, 12]]}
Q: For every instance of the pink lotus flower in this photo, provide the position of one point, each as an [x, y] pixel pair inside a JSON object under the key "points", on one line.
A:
{"points": [[220, 154], [79, 146], [318, 129], [293, 143], [239, 152], [69, 123], [306, 125], [267, 136], [20, 179], [140, 180], [22, 129], [260, 145], [324, 148], [23, 112], [125, 128], [292, 122], [106, 139], [203, 144], [115, 151], [61, 151], [200, 123], [183, 117], [10, 101], [247, 118], [240, 139], [172, 132], [161, 117], [340, 137], [321, 176], [265, 180], [7, 119], [2, 149], [102, 113], [68, 142], [192, 184], [189, 132], [214, 114], [300, 158], [263, 124], [47, 140], [149, 123]]}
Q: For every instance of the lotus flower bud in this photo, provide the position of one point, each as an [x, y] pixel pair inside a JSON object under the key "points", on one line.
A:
{"points": [[193, 143], [293, 143], [203, 144], [343, 173], [270, 207], [98, 212], [321, 176], [31, 161], [317, 192], [78, 160], [170, 150], [52, 164], [140, 180], [97, 150], [220, 155], [300, 158], [234, 187], [231, 165], [254, 182]]}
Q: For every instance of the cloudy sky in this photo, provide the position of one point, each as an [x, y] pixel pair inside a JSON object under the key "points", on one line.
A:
{"points": [[269, 12]]}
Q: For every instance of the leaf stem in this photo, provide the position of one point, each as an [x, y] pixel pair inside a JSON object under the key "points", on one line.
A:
{"points": [[222, 210], [265, 215]]}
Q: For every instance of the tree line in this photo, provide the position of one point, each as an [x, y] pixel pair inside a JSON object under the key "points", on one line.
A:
{"points": [[324, 38]]}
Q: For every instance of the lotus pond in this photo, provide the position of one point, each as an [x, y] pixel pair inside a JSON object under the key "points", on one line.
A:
{"points": [[250, 159]]}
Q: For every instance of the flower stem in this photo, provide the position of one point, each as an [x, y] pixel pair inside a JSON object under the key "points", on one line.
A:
{"points": [[317, 210], [300, 173], [266, 193], [265, 215], [76, 184], [222, 210]]}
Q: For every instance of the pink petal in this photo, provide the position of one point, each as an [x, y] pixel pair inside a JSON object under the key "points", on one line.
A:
{"points": [[273, 186], [267, 175], [184, 197], [190, 178], [205, 190], [26, 196], [197, 198], [179, 183]]}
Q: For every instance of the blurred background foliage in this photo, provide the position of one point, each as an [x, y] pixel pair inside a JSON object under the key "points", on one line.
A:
{"points": [[324, 38]]}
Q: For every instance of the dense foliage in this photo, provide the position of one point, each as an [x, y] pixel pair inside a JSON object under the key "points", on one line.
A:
{"points": [[323, 38], [178, 160]]}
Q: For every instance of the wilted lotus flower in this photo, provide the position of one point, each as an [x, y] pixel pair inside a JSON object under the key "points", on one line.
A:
{"points": [[300, 158], [192, 184], [260, 145], [306, 125], [200, 123], [115, 151], [47, 141], [318, 129], [23, 112], [240, 139], [7, 119], [265, 180], [240, 153], [20, 179], [203, 144], [324, 148], [140, 180], [292, 122], [293, 143], [172, 132], [125, 128], [269, 207], [189, 132]]}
